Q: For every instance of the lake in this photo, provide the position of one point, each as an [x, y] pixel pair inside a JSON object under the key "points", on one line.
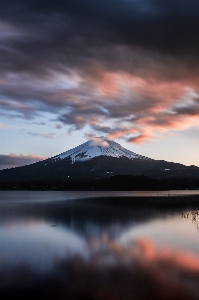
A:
{"points": [[99, 245]]}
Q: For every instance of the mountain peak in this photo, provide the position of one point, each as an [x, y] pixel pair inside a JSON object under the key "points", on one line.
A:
{"points": [[97, 146]]}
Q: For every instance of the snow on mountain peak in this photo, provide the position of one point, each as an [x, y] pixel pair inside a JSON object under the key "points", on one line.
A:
{"points": [[97, 146]]}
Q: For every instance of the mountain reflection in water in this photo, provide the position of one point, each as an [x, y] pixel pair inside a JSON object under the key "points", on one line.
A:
{"points": [[53, 247]]}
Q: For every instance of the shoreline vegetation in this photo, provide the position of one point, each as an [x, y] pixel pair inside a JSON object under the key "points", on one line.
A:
{"points": [[113, 183]]}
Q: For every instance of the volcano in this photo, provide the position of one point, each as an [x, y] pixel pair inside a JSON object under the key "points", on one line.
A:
{"points": [[97, 147], [97, 159]]}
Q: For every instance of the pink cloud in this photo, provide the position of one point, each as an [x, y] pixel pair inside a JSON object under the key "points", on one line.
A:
{"points": [[16, 160], [158, 106]]}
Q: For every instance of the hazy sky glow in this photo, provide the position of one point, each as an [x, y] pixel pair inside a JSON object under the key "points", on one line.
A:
{"points": [[125, 69]]}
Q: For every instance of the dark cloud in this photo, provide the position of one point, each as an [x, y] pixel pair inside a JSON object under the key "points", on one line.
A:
{"points": [[39, 123], [14, 160], [44, 135], [72, 32], [188, 110], [72, 58], [189, 107]]}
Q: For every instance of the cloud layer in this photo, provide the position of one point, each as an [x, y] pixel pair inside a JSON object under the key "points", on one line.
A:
{"points": [[14, 160], [124, 68]]}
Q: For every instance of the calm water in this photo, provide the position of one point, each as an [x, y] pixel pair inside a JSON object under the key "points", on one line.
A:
{"points": [[54, 244]]}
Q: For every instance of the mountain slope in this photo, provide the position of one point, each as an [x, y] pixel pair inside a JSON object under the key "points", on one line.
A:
{"points": [[98, 159], [97, 147]]}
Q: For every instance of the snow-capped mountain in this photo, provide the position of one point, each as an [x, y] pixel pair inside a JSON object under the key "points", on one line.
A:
{"points": [[97, 159], [98, 147]]}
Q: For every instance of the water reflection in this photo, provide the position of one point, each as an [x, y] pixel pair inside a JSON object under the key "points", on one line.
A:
{"points": [[169, 231], [37, 244], [97, 248]]}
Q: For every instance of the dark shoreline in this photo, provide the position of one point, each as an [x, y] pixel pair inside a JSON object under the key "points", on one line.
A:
{"points": [[113, 183]]}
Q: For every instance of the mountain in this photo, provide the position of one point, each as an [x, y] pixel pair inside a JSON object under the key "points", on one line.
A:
{"points": [[97, 147], [98, 158]]}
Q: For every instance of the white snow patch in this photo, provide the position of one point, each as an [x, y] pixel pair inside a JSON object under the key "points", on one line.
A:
{"points": [[97, 147]]}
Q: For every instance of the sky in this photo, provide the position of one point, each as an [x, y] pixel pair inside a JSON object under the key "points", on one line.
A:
{"points": [[71, 70]]}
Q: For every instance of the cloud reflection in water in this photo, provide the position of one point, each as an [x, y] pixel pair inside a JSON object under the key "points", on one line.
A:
{"points": [[113, 271]]}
